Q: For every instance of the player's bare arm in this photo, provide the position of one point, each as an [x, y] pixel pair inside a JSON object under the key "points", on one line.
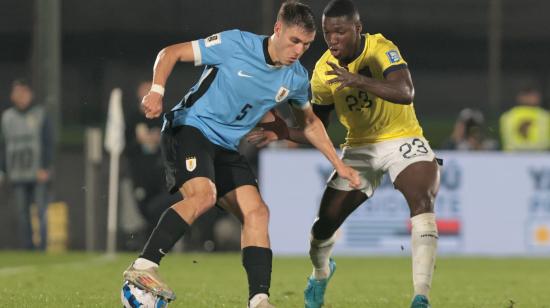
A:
{"points": [[316, 134], [271, 126], [296, 134], [313, 132], [397, 87], [164, 63]]}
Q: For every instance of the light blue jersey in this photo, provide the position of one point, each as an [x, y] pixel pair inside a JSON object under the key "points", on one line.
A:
{"points": [[238, 86]]}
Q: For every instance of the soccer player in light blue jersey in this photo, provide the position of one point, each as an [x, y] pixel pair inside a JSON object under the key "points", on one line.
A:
{"points": [[245, 76]]}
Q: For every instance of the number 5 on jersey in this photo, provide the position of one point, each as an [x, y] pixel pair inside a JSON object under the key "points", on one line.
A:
{"points": [[243, 113]]}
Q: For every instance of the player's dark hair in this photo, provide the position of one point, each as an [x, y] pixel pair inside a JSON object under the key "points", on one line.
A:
{"points": [[297, 14], [339, 8]]}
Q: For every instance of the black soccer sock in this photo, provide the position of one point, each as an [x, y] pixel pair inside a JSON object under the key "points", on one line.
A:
{"points": [[257, 263], [170, 228]]}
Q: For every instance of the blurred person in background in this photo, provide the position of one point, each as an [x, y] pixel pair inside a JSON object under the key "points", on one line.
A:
{"points": [[526, 127], [26, 141], [469, 133], [364, 78], [245, 76], [145, 161]]}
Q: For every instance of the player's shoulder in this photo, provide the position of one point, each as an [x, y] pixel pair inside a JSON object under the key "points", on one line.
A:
{"points": [[299, 70], [244, 38], [378, 40], [321, 64]]}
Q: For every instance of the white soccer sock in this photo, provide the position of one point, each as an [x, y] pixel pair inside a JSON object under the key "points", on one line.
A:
{"points": [[319, 253], [142, 263], [256, 299], [423, 245]]}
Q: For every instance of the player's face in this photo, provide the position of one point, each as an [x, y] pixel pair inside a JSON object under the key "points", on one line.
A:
{"points": [[342, 36], [292, 42]]}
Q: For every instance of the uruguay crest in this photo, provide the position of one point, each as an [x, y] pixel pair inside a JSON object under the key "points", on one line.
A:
{"points": [[191, 163], [281, 94]]}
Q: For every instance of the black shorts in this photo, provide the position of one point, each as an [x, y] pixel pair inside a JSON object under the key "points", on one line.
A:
{"points": [[187, 154]]}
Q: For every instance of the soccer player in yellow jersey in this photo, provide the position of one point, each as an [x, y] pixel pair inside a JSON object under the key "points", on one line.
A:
{"points": [[364, 78]]}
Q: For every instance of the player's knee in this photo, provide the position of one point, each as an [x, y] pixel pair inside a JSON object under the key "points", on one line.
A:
{"points": [[422, 202], [203, 198], [257, 216]]}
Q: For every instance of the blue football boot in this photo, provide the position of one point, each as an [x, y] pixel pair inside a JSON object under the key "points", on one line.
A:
{"points": [[420, 301], [314, 294]]}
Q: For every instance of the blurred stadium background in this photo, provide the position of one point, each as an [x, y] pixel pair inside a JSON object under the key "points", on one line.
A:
{"points": [[462, 54]]}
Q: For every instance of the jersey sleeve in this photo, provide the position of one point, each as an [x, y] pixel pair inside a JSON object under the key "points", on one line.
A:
{"points": [[388, 57], [321, 94], [301, 98], [216, 48]]}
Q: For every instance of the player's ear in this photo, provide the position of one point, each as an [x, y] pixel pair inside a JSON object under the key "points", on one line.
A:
{"points": [[277, 28], [359, 27]]}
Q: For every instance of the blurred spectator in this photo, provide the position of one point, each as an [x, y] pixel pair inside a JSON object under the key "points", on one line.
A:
{"points": [[26, 142], [145, 161], [526, 127], [469, 133]]}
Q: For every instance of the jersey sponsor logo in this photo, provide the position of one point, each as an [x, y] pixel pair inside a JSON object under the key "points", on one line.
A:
{"points": [[191, 163], [213, 40], [393, 56], [242, 74], [281, 94]]}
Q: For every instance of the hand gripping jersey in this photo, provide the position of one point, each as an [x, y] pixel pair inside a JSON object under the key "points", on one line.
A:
{"points": [[368, 119], [238, 86]]}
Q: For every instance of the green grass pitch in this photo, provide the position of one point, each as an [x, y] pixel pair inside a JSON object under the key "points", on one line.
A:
{"points": [[218, 280]]}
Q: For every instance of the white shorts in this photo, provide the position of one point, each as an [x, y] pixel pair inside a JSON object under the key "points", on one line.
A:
{"points": [[373, 160]]}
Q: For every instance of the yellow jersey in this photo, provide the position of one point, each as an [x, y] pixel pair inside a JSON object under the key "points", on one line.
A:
{"points": [[368, 118]]}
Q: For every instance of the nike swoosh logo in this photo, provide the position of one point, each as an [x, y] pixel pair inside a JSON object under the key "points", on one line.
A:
{"points": [[240, 73], [162, 252]]}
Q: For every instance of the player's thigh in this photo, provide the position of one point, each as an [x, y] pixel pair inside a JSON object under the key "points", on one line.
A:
{"points": [[187, 154], [232, 171], [236, 183], [419, 179], [199, 187], [242, 201], [404, 152], [415, 172], [364, 160]]}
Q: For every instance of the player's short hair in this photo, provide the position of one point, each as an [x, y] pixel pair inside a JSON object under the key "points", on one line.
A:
{"points": [[298, 14], [339, 8]]}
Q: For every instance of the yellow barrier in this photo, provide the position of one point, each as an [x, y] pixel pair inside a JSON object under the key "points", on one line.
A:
{"points": [[58, 226]]}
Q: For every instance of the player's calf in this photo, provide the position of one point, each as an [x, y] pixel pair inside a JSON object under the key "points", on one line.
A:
{"points": [[424, 239]]}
